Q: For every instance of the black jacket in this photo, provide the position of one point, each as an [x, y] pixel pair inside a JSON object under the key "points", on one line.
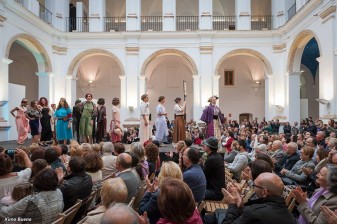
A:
{"points": [[75, 186], [287, 162], [214, 170], [263, 211]]}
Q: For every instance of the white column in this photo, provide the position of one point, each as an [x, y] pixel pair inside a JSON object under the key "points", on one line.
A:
{"points": [[205, 15], [96, 13], [278, 12], [293, 97], [51, 87], [79, 14], [132, 82], [4, 97], [206, 76], [169, 15], [243, 14], [142, 85], [33, 6], [123, 107], [216, 79], [43, 84], [133, 13], [299, 4], [327, 85], [197, 108], [60, 11], [269, 98], [71, 89]]}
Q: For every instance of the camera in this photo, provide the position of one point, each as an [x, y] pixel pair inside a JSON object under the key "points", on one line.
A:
{"points": [[10, 153]]}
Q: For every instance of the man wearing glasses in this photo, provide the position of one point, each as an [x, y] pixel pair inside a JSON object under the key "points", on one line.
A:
{"points": [[270, 207]]}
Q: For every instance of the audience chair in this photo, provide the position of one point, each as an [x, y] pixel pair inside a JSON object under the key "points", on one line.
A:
{"points": [[131, 202], [211, 206], [67, 216], [139, 197], [201, 206], [290, 201]]}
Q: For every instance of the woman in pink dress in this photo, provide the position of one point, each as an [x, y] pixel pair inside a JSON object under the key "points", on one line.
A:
{"points": [[21, 121], [115, 125]]}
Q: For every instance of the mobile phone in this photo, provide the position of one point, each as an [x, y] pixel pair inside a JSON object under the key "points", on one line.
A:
{"points": [[10, 153]]}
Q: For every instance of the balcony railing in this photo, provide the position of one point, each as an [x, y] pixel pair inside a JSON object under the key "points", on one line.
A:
{"points": [[261, 22], [292, 11], [115, 23], [45, 14], [151, 23], [20, 1], [224, 22], [187, 23], [78, 24]]}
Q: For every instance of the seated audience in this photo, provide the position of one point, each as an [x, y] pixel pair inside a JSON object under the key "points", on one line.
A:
{"points": [[235, 150], [113, 190], [269, 208], [76, 185], [149, 202], [289, 160], [93, 165], [296, 175], [9, 179], [240, 161], [214, 170], [20, 191], [131, 180], [176, 203], [310, 209], [109, 160], [120, 214], [138, 149], [38, 165], [152, 153], [277, 152], [193, 175], [53, 159], [41, 207]]}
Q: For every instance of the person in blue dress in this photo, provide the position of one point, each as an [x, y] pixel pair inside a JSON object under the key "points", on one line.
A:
{"points": [[64, 120]]}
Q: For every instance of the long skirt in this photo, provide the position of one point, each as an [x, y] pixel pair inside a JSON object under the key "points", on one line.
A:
{"points": [[179, 133], [85, 126], [34, 127], [46, 133], [62, 130], [22, 127], [114, 137], [101, 130], [213, 130], [161, 129], [144, 131]]}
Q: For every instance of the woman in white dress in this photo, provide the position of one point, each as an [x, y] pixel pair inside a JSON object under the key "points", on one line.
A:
{"points": [[144, 129], [161, 125]]}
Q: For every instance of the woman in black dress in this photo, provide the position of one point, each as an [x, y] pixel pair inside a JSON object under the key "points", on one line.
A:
{"points": [[101, 120], [46, 132]]}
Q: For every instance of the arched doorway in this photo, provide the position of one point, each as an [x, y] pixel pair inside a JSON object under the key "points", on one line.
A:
{"points": [[164, 73], [303, 59], [242, 83], [97, 72]]}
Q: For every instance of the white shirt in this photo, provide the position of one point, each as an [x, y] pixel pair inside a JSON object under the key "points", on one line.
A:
{"points": [[178, 110]]}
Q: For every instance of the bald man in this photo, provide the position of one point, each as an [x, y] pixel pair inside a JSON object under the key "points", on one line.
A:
{"points": [[289, 160], [131, 180], [269, 208], [119, 214]]}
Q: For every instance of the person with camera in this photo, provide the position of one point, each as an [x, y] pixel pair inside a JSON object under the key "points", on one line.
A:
{"points": [[33, 113], [64, 119], [9, 179]]}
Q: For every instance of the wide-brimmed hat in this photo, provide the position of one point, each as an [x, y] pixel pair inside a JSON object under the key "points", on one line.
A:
{"points": [[211, 142]]}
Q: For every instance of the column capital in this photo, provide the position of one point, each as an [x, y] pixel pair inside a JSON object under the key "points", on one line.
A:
{"points": [[51, 75], [142, 77], [7, 61], [42, 74], [195, 77], [294, 73], [70, 77], [215, 77], [122, 77], [269, 76]]}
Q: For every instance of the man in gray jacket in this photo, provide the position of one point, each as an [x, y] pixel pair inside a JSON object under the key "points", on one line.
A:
{"points": [[240, 162]]}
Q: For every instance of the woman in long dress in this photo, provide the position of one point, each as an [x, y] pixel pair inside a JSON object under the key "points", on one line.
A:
{"points": [[21, 121], [144, 129], [88, 110], [101, 120], [161, 124], [179, 121], [46, 132], [34, 114], [115, 124], [64, 119]]}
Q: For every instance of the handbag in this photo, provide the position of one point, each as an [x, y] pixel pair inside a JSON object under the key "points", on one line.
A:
{"points": [[118, 131]]}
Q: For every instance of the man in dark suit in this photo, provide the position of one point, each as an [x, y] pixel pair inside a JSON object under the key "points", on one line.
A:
{"points": [[214, 170], [289, 160], [131, 180]]}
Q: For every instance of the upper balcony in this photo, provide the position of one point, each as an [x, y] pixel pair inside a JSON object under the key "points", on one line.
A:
{"points": [[155, 19]]}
